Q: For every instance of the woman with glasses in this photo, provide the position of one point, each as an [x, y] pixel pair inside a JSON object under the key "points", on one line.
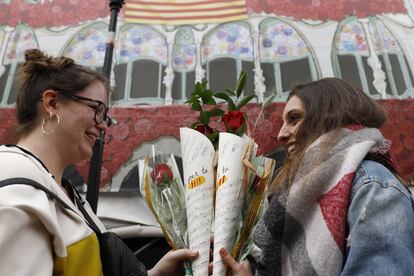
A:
{"points": [[61, 109]]}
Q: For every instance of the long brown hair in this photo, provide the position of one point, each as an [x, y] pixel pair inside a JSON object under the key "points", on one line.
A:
{"points": [[329, 104]]}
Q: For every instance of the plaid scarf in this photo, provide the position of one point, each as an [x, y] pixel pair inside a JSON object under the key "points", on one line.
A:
{"points": [[304, 230]]}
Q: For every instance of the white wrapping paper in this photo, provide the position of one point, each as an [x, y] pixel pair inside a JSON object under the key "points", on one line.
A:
{"points": [[198, 155], [229, 195]]}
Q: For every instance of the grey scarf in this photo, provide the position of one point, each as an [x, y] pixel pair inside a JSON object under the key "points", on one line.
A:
{"points": [[304, 230]]}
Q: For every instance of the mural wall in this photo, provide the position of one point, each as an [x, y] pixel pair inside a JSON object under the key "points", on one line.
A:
{"points": [[280, 44]]}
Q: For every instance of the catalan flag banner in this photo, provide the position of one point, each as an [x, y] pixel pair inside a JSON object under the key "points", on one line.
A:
{"points": [[179, 12]]}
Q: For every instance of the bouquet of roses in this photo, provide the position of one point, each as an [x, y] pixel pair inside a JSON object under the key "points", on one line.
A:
{"points": [[165, 196], [230, 199]]}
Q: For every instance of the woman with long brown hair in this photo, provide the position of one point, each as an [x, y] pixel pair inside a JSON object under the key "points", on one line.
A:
{"points": [[338, 204]]}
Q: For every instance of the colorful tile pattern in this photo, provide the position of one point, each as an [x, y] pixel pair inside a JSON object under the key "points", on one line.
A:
{"points": [[231, 39], [88, 46], [184, 58], [351, 39], [280, 41], [140, 41], [21, 39], [184, 52], [383, 39]]}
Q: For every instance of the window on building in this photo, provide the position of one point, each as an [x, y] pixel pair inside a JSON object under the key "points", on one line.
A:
{"points": [[141, 59], [21, 39], [286, 58], [3, 80], [350, 58], [399, 77], [146, 80], [3, 69], [184, 60], [226, 51]]}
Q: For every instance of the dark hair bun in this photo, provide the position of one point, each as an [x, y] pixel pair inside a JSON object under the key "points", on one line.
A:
{"points": [[37, 62], [34, 55], [62, 62]]}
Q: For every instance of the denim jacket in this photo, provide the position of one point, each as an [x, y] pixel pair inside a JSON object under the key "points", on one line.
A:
{"points": [[381, 224]]}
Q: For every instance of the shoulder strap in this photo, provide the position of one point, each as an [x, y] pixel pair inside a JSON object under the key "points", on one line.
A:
{"points": [[30, 182], [79, 202]]}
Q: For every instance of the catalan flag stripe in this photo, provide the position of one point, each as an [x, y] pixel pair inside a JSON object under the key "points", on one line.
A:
{"points": [[177, 12], [196, 182]]}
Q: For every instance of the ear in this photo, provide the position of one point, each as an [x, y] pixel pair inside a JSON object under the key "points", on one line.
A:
{"points": [[49, 100]]}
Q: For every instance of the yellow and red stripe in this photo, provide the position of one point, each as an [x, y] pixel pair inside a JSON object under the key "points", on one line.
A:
{"points": [[221, 181], [178, 12], [196, 182]]}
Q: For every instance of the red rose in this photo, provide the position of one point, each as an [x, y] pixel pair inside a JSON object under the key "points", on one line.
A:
{"points": [[206, 130], [162, 174], [233, 119]]}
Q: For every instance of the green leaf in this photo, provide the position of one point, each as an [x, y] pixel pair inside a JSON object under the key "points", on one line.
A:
{"points": [[231, 106], [215, 112], [245, 100], [213, 136], [193, 125], [192, 100], [204, 119], [196, 106], [240, 84], [210, 101], [198, 89], [207, 97], [204, 84], [241, 130], [231, 92], [222, 95]]}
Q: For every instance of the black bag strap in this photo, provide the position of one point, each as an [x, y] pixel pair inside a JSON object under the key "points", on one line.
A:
{"points": [[30, 182], [79, 202], [78, 198]]}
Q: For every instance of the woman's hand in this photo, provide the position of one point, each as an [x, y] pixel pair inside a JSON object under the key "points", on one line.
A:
{"points": [[171, 263], [239, 269]]}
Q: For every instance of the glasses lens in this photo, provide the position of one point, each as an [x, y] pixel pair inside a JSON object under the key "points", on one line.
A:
{"points": [[100, 113]]}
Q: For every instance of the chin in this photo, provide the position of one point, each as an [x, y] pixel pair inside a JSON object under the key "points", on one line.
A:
{"points": [[85, 153]]}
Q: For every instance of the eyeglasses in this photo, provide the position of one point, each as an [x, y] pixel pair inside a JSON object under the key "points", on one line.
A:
{"points": [[100, 108]]}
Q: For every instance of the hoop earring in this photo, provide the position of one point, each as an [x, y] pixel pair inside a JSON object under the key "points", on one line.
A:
{"points": [[45, 120]]}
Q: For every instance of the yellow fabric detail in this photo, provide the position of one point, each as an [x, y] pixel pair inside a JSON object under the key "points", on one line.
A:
{"points": [[83, 259], [59, 265]]}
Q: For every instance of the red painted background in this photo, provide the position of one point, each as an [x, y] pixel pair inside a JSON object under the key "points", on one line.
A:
{"points": [[72, 12], [148, 123]]}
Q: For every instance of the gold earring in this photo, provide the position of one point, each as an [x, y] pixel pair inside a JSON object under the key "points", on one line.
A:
{"points": [[45, 120]]}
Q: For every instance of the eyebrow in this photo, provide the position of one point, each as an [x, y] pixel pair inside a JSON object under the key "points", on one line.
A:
{"points": [[82, 98], [295, 110]]}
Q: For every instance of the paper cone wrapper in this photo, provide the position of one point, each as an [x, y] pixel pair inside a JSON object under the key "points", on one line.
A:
{"points": [[197, 155], [229, 195]]}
